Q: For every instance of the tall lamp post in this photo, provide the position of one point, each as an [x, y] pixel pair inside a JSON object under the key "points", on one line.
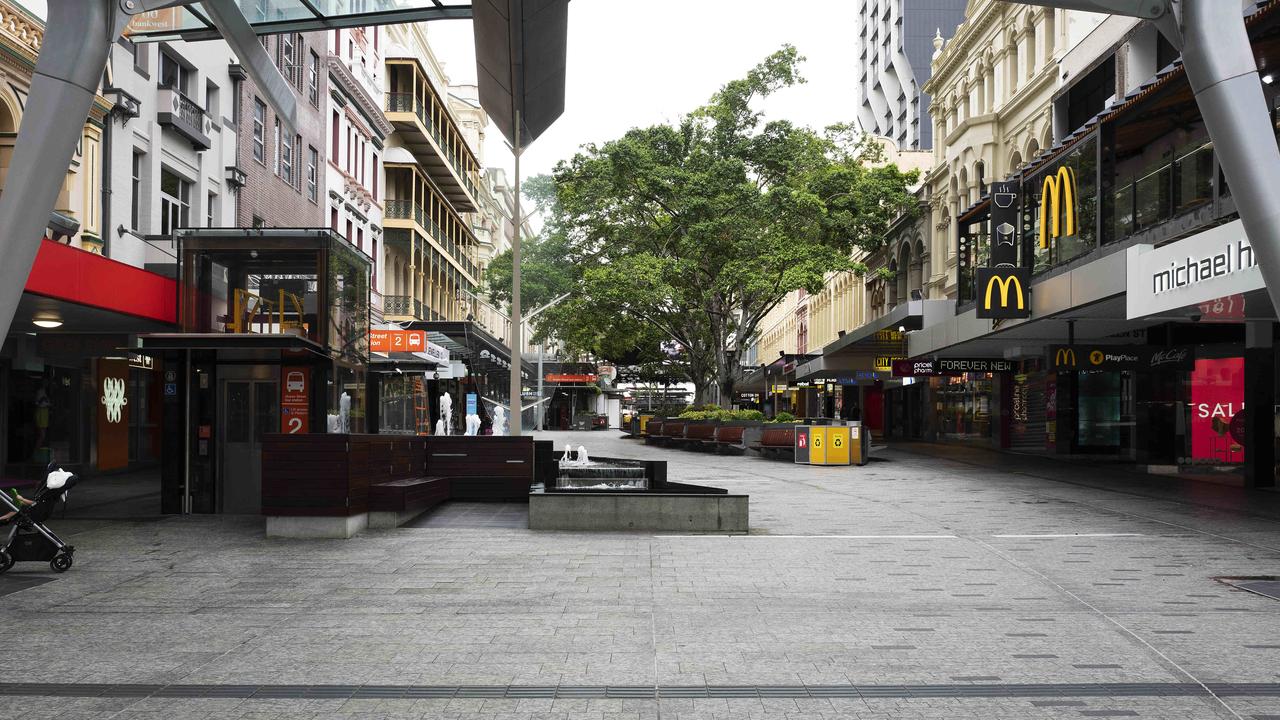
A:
{"points": [[542, 411]]}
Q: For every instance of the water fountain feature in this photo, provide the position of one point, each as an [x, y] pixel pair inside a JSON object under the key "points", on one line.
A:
{"points": [[579, 472]]}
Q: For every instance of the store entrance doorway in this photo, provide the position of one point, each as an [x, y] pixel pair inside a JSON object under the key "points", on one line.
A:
{"points": [[248, 409]]}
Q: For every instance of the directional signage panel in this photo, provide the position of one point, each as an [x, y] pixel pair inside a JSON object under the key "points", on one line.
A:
{"points": [[1004, 224]]}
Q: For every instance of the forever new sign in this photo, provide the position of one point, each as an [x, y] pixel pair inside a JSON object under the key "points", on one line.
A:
{"points": [[1213, 264]]}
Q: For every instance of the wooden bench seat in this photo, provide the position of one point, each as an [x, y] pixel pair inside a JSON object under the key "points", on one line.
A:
{"points": [[700, 434], [729, 437], [776, 440], [393, 503], [408, 494]]}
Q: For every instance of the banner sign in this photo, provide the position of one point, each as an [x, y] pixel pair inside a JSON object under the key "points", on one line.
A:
{"points": [[1003, 293], [583, 378], [295, 400], [471, 403], [1216, 263], [952, 366], [1120, 357], [1004, 224], [1217, 399], [387, 341]]}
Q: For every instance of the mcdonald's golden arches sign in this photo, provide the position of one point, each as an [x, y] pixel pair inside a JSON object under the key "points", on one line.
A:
{"points": [[1058, 205], [1003, 292]]}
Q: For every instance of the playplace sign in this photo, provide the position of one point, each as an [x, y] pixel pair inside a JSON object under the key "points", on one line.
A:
{"points": [[1216, 263]]}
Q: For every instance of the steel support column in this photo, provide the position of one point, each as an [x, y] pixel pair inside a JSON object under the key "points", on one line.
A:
{"points": [[77, 42]]}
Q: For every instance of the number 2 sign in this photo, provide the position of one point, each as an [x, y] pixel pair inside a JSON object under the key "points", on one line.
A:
{"points": [[295, 400]]}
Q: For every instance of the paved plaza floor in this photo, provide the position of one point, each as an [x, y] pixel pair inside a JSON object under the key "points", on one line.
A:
{"points": [[937, 583]]}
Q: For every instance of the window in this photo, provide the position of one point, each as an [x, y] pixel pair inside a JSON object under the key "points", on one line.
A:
{"points": [[337, 42], [350, 230], [313, 80], [141, 59], [211, 211], [175, 75], [373, 253], [211, 102], [258, 223], [275, 143], [175, 202], [286, 157], [360, 238], [375, 177], [289, 57], [333, 219], [313, 170], [135, 214], [259, 131], [337, 135]]}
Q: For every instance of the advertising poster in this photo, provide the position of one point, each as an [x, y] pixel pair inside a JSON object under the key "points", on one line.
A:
{"points": [[295, 400], [1217, 395]]}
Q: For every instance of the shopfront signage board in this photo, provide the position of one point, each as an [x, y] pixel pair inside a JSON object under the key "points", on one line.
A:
{"points": [[570, 378], [1120, 357], [1214, 264], [952, 366], [1004, 224]]}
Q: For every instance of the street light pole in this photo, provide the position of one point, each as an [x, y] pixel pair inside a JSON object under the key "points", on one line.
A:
{"points": [[517, 399]]}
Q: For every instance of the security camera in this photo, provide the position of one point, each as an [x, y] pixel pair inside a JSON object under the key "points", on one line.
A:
{"points": [[1195, 317]]}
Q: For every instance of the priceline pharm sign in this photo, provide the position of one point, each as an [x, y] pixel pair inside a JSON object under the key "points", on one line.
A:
{"points": [[1213, 264]]}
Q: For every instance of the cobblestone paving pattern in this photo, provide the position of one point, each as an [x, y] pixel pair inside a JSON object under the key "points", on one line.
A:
{"points": [[925, 570]]}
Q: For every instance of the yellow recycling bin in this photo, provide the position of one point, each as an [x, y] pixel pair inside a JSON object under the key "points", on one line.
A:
{"points": [[818, 445], [837, 443]]}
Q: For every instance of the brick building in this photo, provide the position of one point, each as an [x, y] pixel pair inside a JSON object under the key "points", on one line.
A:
{"points": [[284, 176]]}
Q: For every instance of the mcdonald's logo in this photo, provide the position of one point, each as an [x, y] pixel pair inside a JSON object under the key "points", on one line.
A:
{"points": [[1064, 357], [1006, 284], [1002, 293], [1058, 205]]}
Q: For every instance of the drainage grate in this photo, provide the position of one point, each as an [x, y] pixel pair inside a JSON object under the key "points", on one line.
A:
{"points": [[642, 692]]}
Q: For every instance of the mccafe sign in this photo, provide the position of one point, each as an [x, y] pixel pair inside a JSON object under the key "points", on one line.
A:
{"points": [[1120, 357], [951, 366]]}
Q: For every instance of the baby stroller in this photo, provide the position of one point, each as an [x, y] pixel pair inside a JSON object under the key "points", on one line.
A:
{"points": [[26, 538]]}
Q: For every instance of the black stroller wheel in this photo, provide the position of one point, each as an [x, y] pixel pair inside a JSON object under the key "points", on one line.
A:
{"points": [[6, 561], [61, 563]]}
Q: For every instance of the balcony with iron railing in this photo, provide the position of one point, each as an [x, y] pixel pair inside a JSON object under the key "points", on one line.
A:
{"points": [[420, 118], [401, 306], [394, 210], [184, 116]]}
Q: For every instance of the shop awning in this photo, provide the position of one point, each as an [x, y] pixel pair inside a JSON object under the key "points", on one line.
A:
{"points": [[400, 362], [157, 342], [884, 335], [471, 342]]}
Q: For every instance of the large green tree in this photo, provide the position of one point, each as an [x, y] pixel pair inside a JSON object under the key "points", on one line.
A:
{"points": [[693, 232]]}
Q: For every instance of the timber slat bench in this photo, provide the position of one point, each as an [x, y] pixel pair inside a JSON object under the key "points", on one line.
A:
{"points": [[673, 431], [396, 502], [653, 432], [729, 437], [700, 436], [776, 441], [484, 467]]}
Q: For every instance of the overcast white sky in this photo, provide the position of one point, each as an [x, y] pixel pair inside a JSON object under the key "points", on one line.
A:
{"points": [[638, 63]]}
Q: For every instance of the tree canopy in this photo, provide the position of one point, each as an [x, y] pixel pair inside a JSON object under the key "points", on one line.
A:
{"points": [[691, 233]]}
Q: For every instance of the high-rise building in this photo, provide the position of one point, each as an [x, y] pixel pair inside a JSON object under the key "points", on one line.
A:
{"points": [[895, 42]]}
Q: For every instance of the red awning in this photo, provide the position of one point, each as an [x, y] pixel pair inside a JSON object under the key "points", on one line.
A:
{"points": [[66, 273]]}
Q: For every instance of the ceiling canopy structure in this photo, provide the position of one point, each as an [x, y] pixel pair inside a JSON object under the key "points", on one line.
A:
{"points": [[281, 16]]}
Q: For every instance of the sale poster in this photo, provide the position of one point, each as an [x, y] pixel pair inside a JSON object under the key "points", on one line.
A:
{"points": [[1217, 395], [295, 400]]}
